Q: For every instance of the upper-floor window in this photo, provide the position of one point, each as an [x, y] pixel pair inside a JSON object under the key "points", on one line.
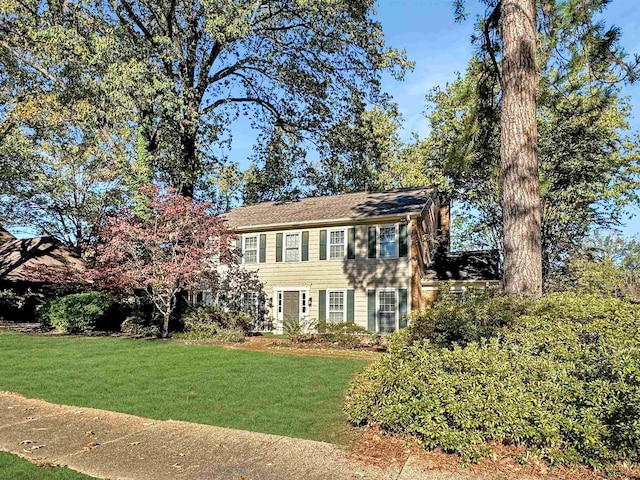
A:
{"points": [[292, 247], [250, 252], [337, 244], [388, 241]]}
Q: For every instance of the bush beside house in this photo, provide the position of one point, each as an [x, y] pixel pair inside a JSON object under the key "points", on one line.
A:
{"points": [[560, 376], [204, 322], [78, 312]]}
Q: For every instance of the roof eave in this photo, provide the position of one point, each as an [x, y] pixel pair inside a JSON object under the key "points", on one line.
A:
{"points": [[327, 222]]}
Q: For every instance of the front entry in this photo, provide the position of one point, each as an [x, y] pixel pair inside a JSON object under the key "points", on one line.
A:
{"points": [[291, 305]]}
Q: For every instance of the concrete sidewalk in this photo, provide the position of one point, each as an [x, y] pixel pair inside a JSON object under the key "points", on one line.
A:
{"points": [[119, 446]]}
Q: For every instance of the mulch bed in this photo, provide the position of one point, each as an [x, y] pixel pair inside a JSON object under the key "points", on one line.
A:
{"points": [[317, 349], [377, 448]]}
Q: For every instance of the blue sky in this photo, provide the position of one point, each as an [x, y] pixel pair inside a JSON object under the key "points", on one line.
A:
{"points": [[440, 48]]}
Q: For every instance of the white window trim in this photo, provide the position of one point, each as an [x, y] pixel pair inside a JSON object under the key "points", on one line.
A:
{"points": [[244, 245], [284, 245], [278, 294], [346, 244], [396, 290], [397, 234], [344, 300]]}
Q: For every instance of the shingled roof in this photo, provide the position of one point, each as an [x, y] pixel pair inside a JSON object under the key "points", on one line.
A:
{"points": [[350, 206], [5, 236], [21, 260], [469, 265]]}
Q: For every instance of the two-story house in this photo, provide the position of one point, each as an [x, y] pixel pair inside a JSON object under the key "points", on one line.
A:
{"points": [[361, 257]]}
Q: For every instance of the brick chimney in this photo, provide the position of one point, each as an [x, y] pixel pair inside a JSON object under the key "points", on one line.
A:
{"points": [[444, 223]]}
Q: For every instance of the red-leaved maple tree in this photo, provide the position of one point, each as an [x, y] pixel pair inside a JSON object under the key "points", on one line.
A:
{"points": [[175, 246]]}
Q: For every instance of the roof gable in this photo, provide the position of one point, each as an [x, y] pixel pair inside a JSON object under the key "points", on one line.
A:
{"points": [[350, 206]]}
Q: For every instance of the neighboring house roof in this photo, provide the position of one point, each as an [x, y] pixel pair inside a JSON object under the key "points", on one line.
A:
{"points": [[347, 207], [5, 236], [479, 265], [21, 260]]}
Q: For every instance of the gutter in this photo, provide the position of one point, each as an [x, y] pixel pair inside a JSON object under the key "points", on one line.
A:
{"points": [[326, 222]]}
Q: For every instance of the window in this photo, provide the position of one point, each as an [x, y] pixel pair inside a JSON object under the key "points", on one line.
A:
{"points": [[336, 307], [204, 297], [279, 302], [250, 303], [250, 253], [387, 310], [304, 302], [388, 241], [292, 247], [337, 241]]}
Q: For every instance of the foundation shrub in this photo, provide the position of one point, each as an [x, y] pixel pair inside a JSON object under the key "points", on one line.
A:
{"points": [[463, 318], [208, 322], [562, 378], [345, 334], [299, 329], [78, 312], [140, 326]]}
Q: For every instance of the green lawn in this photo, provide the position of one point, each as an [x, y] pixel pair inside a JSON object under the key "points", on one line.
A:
{"points": [[16, 468], [296, 396]]}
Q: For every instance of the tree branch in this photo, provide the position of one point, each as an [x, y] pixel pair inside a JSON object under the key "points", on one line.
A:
{"points": [[492, 22], [263, 103]]}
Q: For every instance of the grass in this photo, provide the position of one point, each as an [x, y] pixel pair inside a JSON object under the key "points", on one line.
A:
{"points": [[15, 468], [296, 396]]}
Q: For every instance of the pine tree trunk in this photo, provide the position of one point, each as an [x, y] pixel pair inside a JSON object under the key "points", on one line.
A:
{"points": [[518, 151]]}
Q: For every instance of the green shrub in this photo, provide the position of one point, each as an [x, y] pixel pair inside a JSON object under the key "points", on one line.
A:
{"points": [[562, 379], [299, 329], [374, 339], [136, 326], [231, 335], [462, 319], [209, 322], [78, 312], [235, 335], [346, 334]]}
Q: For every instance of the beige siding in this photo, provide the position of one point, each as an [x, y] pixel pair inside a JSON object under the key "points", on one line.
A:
{"points": [[359, 274]]}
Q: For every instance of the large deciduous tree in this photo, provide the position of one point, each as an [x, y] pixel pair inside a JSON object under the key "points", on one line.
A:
{"points": [[191, 67]]}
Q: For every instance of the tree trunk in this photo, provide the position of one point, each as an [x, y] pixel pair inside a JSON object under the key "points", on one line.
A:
{"points": [[165, 324], [189, 168], [518, 151]]}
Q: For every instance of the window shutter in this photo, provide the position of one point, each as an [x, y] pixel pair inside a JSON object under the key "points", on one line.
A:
{"points": [[351, 247], [403, 240], [323, 244], [402, 307], [305, 246], [372, 242], [278, 247], [239, 247], [263, 247], [322, 306], [350, 306], [371, 310]]}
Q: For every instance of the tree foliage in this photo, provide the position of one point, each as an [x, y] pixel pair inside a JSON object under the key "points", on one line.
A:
{"points": [[188, 69], [589, 163]]}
